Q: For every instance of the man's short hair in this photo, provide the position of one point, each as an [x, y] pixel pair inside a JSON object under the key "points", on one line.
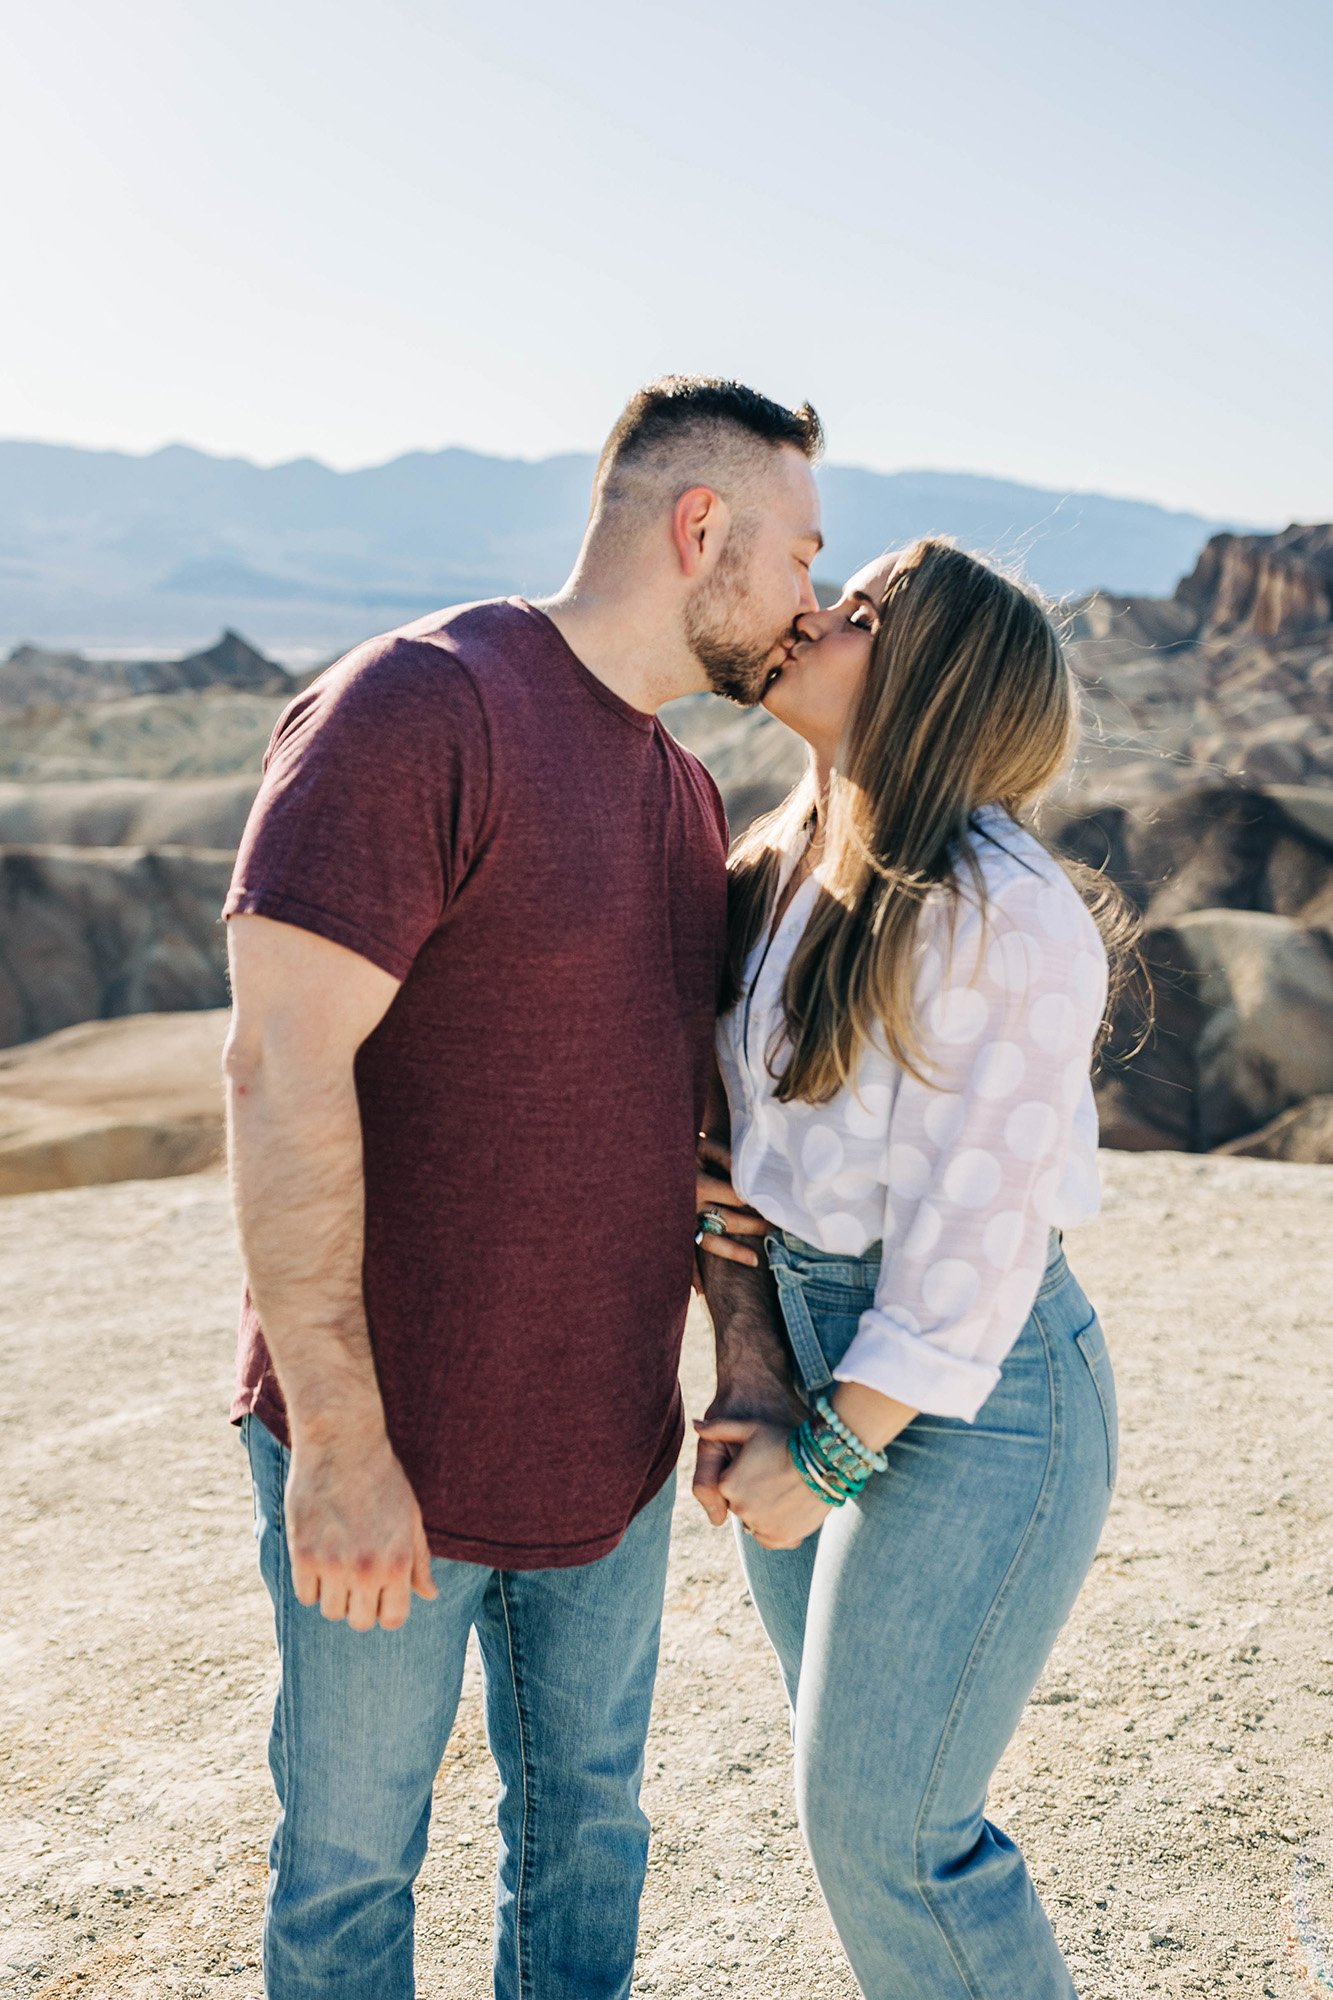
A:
{"points": [[702, 429]]}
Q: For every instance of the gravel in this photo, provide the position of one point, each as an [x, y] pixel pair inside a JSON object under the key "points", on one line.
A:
{"points": [[1169, 1784]]}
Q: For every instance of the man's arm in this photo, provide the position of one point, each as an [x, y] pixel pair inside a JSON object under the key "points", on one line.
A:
{"points": [[302, 1006], [754, 1377]]}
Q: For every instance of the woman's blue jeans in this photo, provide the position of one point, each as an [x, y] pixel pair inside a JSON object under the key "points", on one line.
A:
{"points": [[360, 1725], [912, 1628]]}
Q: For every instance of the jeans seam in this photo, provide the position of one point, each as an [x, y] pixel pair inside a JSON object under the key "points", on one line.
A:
{"points": [[1102, 1402], [284, 1691], [520, 1934], [970, 1668]]}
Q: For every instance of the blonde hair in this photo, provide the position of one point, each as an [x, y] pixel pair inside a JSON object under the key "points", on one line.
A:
{"points": [[968, 701]]}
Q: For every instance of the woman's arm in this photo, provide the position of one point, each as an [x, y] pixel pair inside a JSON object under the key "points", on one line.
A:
{"points": [[978, 1154], [976, 1159], [761, 1484]]}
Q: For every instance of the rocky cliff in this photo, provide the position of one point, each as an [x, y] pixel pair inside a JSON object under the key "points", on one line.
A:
{"points": [[1262, 586], [34, 677], [1232, 674], [91, 933], [1205, 788]]}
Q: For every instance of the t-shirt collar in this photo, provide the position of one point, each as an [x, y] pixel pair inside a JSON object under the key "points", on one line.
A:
{"points": [[638, 717]]}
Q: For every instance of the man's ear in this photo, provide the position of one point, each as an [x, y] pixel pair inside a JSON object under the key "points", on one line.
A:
{"points": [[699, 523]]}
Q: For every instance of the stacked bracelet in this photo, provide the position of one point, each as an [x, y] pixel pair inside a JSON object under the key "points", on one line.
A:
{"points": [[819, 1474], [831, 1458], [874, 1461]]}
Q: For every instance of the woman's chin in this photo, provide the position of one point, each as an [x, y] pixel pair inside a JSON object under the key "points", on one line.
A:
{"points": [[778, 700]]}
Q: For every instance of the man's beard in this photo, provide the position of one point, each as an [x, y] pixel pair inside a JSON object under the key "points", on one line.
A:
{"points": [[734, 663]]}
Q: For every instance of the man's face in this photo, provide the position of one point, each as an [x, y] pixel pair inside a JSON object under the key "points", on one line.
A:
{"points": [[739, 621]]}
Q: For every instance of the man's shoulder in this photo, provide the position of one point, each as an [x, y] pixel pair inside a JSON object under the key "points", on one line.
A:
{"points": [[692, 764], [700, 781], [433, 674], [411, 691], [453, 639]]}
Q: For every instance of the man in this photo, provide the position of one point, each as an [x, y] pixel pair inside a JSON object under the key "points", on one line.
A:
{"points": [[476, 930]]}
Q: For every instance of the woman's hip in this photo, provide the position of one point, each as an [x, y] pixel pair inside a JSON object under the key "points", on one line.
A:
{"points": [[1057, 1374]]}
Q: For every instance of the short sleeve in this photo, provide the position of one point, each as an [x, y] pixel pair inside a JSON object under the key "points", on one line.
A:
{"points": [[373, 802], [718, 806]]}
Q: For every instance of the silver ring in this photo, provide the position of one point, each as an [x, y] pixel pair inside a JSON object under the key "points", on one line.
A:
{"points": [[711, 1223]]}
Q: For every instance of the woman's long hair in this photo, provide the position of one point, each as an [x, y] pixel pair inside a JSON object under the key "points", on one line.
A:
{"points": [[968, 700]]}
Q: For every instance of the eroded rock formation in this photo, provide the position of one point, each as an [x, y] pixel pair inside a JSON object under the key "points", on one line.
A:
{"points": [[1205, 789], [132, 1099], [127, 812], [91, 933], [1244, 1031], [34, 677], [1233, 675]]}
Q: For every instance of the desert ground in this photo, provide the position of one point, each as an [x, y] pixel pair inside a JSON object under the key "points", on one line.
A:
{"points": [[1170, 1782]]}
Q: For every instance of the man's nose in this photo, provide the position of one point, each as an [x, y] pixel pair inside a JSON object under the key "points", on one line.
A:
{"points": [[809, 602], [808, 624]]}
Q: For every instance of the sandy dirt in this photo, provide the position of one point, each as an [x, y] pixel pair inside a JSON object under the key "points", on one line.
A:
{"points": [[1170, 1782]]}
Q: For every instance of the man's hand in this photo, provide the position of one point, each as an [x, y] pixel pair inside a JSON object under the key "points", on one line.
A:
{"points": [[770, 1402], [354, 1529], [754, 1377], [712, 1456], [761, 1485]]}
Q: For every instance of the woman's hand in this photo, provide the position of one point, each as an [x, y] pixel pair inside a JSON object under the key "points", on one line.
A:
{"points": [[715, 1192], [762, 1486]]}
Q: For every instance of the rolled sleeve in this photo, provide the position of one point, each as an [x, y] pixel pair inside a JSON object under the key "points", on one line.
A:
{"points": [[915, 1369]]}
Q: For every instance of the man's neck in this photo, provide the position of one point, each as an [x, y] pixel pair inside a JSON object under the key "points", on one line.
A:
{"points": [[640, 656]]}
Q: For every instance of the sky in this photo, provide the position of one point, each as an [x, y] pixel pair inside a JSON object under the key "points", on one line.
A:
{"points": [[1082, 246]]}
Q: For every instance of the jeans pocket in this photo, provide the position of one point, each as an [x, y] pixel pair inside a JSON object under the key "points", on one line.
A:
{"points": [[1092, 1346]]}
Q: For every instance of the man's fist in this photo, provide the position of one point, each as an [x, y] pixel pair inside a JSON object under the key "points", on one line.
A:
{"points": [[354, 1530]]}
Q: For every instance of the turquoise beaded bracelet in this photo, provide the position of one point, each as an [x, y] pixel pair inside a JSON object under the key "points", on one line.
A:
{"points": [[820, 1445], [874, 1461], [802, 1458], [821, 1492], [825, 1475]]}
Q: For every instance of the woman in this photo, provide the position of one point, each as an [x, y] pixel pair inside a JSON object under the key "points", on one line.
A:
{"points": [[917, 989]]}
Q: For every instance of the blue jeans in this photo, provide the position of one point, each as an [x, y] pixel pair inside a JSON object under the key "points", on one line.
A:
{"points": [[360, 1726], [912, 1628]]}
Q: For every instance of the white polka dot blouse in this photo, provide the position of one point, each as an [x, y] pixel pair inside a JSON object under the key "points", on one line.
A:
{"points": [[962, 1179]]}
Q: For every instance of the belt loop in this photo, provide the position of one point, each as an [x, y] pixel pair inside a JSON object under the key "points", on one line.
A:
{"points": [[805, 1347]]}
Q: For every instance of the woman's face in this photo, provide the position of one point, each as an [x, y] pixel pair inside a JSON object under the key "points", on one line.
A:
{"points": [[816, 687]]}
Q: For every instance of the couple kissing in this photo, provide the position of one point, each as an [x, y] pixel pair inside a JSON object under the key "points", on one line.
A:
{"points": [[519, 1051]]}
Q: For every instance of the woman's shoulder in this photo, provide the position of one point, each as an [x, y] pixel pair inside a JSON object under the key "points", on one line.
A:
{"points": [[1025, 886]]}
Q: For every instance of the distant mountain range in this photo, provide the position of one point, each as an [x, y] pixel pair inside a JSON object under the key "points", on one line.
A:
{"points": [[107, 549]]}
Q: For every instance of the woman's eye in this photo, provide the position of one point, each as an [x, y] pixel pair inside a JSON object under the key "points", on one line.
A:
{"points": [[863, 620]]}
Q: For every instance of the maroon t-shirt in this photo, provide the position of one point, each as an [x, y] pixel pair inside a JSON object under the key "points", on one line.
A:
{"points": [[543, 866]]}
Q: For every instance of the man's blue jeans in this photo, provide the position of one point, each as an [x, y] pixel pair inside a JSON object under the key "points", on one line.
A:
{"points": [[912, 1627], [360, 1726]]}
